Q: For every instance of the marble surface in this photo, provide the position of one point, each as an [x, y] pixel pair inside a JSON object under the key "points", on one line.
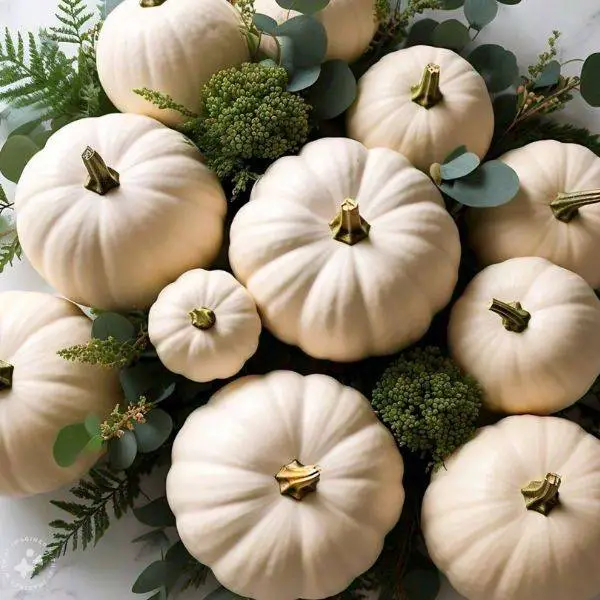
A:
{"points": [[108, 571]]}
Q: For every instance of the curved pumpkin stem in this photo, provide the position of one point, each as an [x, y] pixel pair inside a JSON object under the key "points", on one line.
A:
{"points": [[6, 375], [203, 318], [566, 205], [102, 179], [348, 226], [427, 93], [297, 480], [151, 3], [542, 496], [514, 316]]}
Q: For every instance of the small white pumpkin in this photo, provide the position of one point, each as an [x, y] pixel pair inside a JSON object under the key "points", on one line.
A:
{"points": [[114, 242], [529, 332], [556, 214], [167, 46], [350, 25], [514, 513], [40, 392], [285, 486], [340, 284], [423, 102], [204, 326]]}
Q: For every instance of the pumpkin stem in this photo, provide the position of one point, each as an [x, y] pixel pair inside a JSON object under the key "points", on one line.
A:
{"points": [[203, 318], [427, 93], [297, 480], [6, 375], [542, 496], [102, 179], [514, 316], [151, 3], [348, 226], [566, 205]]}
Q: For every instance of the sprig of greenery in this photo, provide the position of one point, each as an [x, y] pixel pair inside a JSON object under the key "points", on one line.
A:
{"points": [[9, 250], [120, 421], [110, 353], [546, 57]]}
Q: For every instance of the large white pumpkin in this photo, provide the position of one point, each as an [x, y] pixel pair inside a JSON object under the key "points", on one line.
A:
{"points": [[529, 332], [348, 252], [168, 46], [350, 25], [495, 524], [423, 102], [40, 393], [285, 486], [556, 214], [116, 241], [204, 325]]}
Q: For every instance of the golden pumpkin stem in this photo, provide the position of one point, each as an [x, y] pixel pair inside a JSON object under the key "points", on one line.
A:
{"points": [[203, 318], [6, 375], [102, 179], [514, 316], [297, 480], [151, 3], [542, 496], [566, 205], [348, 226], [427, 93]]}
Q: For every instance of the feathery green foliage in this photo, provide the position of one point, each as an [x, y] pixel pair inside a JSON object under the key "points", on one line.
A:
{"points": [[429, 405], [110, 353], [10, 247]]}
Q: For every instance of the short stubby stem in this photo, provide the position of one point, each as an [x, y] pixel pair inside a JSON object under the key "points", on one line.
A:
{"points": [[297, 480], [203, 318], [427, 93], [348, 226], [151, 3], [566, 205], [514, 316], [542, 495], [102, 179], [6, 375]]}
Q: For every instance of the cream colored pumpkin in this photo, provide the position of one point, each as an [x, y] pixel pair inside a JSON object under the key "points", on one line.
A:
{"points": [[168, 46], [40, 393], [204, 326], [367, 283], [350, 25], [481, 534], [423, 102], [119, 249], [555, 215], [538, 358], [268, 527]]}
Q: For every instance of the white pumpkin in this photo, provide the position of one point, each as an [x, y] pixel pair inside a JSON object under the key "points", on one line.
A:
{"points": [[40, 393], [153, 213], [556, 214], [539, 356], [350, 25], [204, 326], [423, 102], [348, 252], [514, 513], [285, 486], [167, 46]]}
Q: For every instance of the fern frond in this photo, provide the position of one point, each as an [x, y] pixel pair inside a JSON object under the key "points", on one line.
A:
{"points": [[75, 19], [10, 252]]}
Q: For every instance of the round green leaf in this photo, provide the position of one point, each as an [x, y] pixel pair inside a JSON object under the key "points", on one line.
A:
{"points": [[70, 443], [178, 555], [590, 80], [92, 424], [492, 184], [421, 584], [455, 154], [95, 444], [223, 594], [110, 324], [286, 53], [452, 4], [497, 66], [421, 32], [505, 111], [150, 379], [152, 434], [549, 76], [265, 23], [511, 2], [160, 574], [156, 537], [306, 7], [40, 138], [14, 156], [303, 78], [155, 514], [122, 451], [309, 38], [451, 34], [334, 91], [480, 13], [27, 128], [460, 166], [163, 392]]}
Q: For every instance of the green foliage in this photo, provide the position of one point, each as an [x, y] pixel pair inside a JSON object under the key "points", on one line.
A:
{"points": [[10, 252], [480, 13], [496, 65], [157, 513], [429, 405], [546, 57], [109, 353], [590, 83], [10, 247], [451, 34], [334, 91]]}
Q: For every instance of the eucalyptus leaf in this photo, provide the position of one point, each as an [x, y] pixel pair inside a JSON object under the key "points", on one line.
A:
{"points": [[451, 34], [480, 13], [155, 514], [421, 32], [178, 555], [164, 392], [265, 23], [452, 4], [162, 594], [460, 166], [39, 138], [421, 584], [152, 434], [286, 53], [70, 443], [17, 151], [27, 128], [95, 444], [497, 66], [590, 80], [334, 90], [303, 78], [306, 7], [505, 111], [157, 575], [549, 76], [157, 537], [223, 594], [150, 379], [122, 451], [494, 183], [511, 2], [455, 154], [309, 38], [114, 325]]}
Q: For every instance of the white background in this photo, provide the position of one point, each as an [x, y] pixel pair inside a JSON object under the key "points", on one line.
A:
{"points": [[108, 571]]}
